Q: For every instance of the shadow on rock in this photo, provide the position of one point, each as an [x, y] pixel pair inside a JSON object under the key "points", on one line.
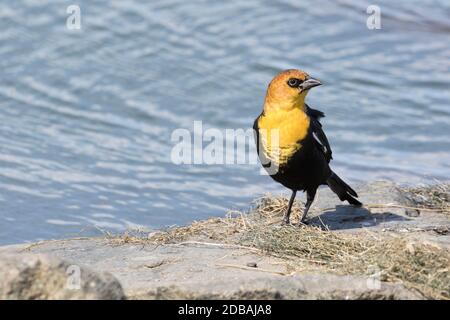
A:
{"points": [[349, 217]]}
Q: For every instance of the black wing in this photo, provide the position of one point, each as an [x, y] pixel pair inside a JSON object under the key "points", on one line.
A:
{"points": [[313, 113], [262, 157], [256, 133], [319, 136]]}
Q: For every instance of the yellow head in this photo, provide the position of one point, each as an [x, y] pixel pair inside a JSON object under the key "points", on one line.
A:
{"points": [[288, 90]]}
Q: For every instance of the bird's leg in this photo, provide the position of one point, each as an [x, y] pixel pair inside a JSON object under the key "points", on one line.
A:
{"points": [[287, 215], [310, 194]]}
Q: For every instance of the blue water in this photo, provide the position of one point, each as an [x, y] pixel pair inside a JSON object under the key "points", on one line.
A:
{"points": [[86, 116]]}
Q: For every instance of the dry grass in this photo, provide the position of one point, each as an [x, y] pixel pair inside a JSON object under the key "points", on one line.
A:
{"points": [[435, 196], [423, 267], [218, 229], [267, 211]]}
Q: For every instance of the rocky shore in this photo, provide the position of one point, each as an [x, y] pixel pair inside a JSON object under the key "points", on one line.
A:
{"points": [[395, 247]]}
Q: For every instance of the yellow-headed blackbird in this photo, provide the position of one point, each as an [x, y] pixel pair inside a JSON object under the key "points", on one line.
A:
{"points": [[291, 143]]}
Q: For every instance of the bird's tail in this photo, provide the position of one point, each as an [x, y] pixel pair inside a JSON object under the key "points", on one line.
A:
{"points": [[343, 190]]}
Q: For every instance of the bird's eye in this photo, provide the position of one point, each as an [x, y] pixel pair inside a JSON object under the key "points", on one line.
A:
{"points": [[293, 82]]}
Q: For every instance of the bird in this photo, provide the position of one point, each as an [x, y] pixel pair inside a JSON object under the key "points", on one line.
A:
{"points": [[291, 143]]}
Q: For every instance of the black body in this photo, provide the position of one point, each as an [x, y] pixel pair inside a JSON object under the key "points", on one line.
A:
{"points": [[308, 168]]}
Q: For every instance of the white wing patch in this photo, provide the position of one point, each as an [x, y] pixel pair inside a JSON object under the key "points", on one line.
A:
{"points": [[320, 142]]}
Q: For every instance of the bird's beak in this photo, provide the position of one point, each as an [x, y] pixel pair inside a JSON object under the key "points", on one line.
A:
{"points": [[309, 83]]}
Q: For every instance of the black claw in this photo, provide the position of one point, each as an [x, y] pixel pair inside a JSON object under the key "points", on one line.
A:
{"points": [[302, 223]]}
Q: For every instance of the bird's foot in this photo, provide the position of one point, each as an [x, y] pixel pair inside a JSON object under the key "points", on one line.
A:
{"points": [[303, 223], [285, 222]]}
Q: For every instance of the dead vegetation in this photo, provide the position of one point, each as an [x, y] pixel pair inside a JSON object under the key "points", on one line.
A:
{"points": [[435, 197], [419, 266]]}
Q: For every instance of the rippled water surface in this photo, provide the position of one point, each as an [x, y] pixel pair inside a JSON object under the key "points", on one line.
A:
{"points": [[86, 116]]}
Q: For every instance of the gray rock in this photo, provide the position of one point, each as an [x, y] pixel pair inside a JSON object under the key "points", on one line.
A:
{"points": [[196, 271], [39, 276]]}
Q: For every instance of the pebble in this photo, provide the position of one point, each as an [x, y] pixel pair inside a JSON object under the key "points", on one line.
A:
{"points": [[412, 213]]}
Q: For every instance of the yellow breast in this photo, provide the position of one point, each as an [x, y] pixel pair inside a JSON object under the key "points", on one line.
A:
{"points": [[280, 132]]}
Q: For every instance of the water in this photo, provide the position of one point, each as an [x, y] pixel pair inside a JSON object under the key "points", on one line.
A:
{"points": [[86, 116]]}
